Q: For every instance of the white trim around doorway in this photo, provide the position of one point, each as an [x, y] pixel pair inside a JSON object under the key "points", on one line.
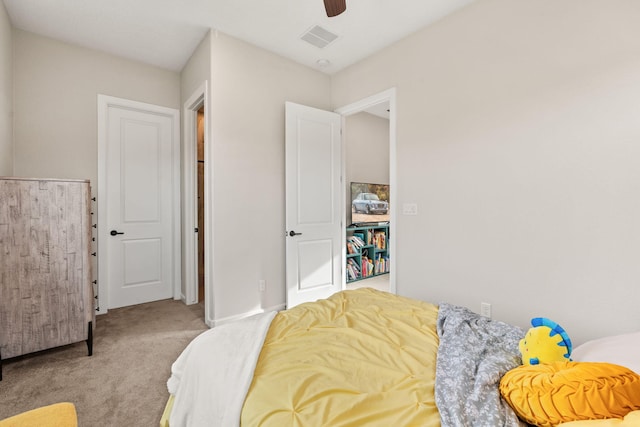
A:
{"points": [[103, 104], [388, 95], [198, 99]]}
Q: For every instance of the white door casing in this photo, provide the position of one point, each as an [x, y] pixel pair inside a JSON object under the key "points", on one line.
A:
{"points": [[388, 96], [198, 99], [190, 190], [138, 195], [313, 204]]}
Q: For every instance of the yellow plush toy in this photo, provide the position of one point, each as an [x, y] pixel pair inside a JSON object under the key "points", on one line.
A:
{"points": [[545, 342]]}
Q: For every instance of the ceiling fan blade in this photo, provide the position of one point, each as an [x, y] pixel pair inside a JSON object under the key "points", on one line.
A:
{"points": [[335, 7]]}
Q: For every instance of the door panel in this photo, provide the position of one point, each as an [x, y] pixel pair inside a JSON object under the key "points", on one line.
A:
{"points": [[313, 193], [313, 269], [314, 170], [141, 262], [139, 205], [139, 154]]}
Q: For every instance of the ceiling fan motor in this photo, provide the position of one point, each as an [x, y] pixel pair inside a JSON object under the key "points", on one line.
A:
{"points": [[335, 7]]}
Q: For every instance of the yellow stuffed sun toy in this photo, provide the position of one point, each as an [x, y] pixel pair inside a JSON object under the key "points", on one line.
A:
{"points": [[545, 342]]}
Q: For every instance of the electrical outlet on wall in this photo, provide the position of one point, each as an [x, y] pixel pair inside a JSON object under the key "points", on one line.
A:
{"points": [[485, 309], [262, 285]]}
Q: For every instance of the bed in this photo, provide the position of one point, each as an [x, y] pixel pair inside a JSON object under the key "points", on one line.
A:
{"points": [[361, 357]]}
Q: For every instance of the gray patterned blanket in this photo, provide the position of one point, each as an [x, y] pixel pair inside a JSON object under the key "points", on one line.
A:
{"points": [[473, 354]]}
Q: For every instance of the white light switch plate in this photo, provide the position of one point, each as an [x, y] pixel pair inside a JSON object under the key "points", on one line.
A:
{"points": [[409, 209]]}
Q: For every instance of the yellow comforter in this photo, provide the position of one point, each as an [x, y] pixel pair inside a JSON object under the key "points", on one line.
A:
{"points": [[359, 358]]}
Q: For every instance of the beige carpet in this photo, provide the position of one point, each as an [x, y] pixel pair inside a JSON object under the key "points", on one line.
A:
{"points": [[380, 283], [123, 383]]}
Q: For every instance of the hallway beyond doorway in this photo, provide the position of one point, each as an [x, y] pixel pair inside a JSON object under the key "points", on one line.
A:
{"points": [[380, 283]]}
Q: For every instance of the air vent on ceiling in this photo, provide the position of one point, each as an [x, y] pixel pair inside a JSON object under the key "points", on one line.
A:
{"points": [[319, 37]]}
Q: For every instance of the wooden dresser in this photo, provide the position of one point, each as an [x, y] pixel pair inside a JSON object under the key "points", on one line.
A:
{"points": [[46, 294]]}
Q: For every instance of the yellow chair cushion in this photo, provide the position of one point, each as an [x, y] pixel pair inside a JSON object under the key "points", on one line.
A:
{"points": [[549, 394], [56, 415], [632, 419]]}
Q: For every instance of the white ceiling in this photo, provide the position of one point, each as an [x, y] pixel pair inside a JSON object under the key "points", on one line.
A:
{"points": [[166, 32]]}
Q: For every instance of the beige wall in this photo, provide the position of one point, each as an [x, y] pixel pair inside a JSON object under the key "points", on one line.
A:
{"points": [[249, 89], [6, 94], [56, 87], [519, 139], [366, 139], [197, 70], [56, 136]]}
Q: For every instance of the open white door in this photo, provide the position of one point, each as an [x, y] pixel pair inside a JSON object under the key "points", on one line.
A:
{"points": [[313, 205]]}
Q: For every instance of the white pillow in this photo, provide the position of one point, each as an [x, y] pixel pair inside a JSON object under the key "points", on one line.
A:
{"points": [[621, 350]]}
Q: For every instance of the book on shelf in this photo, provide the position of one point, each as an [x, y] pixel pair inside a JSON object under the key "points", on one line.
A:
{"points": [[382, 264], [356, 243], [353, 269], [367, 267], [380, 240]]}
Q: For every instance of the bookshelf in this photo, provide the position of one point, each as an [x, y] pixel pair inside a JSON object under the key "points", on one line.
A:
{"points": [[367, 251]]}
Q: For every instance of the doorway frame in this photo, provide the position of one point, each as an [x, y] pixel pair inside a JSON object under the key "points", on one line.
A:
{"points": [[198, 99], [389, 96], [103, 104]]}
